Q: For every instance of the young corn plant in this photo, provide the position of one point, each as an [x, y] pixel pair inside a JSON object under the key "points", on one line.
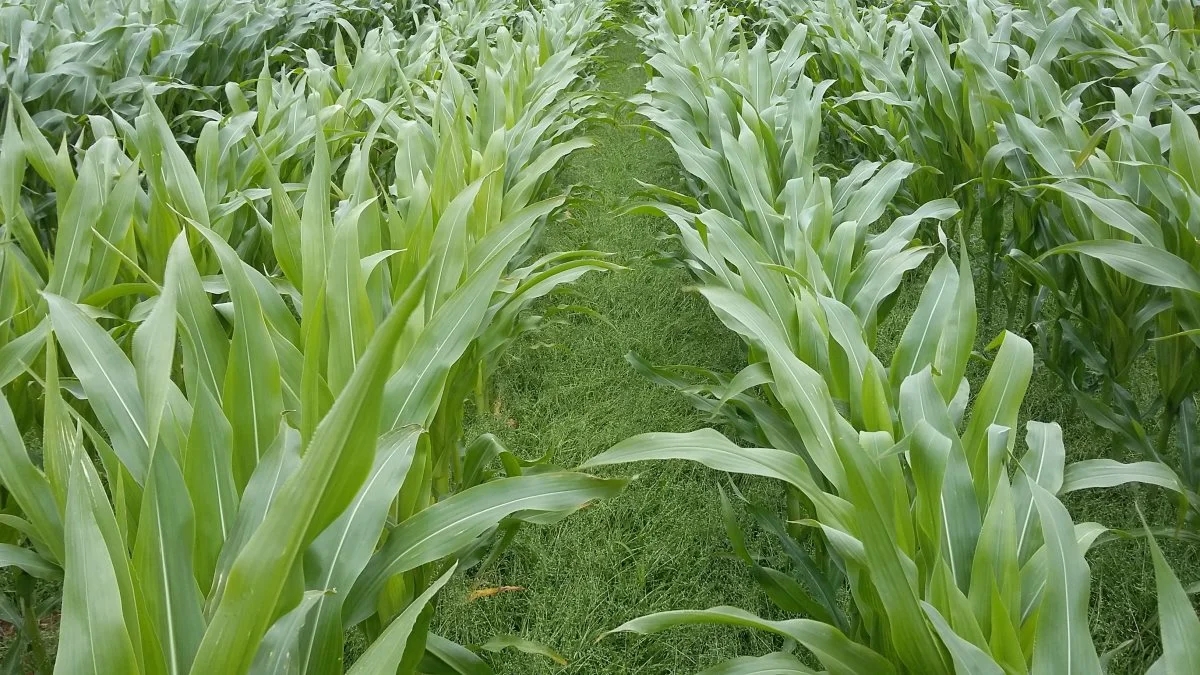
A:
{"points": [[276, 400], [1130, 41], [902, 90], [1119, 262], [932, 84], [955, 550], [526, 114], [241, 534], [957, 553], [798, 244], [1008, 63], [388, 62], [748, 137], [65, 60]]}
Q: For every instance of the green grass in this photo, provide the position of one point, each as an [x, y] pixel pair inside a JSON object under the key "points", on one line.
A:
{"points": [[568, 389], [661, 545]]}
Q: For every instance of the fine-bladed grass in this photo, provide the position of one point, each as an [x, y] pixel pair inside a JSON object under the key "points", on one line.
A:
{"points": [[568, 389]]}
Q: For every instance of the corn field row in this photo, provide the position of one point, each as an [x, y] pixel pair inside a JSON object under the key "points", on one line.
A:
{"points": [[259, 258], [957, 553], [247, 361]]}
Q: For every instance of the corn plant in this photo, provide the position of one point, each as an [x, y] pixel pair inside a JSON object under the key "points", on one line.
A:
{"points": [[748, 133], [386, 58], [71, 59], [217, 497], [936, 97], [1004, 92], [275, 393], [957, 554], [249, 159], [778, 232], [1130, 41], [1122, 277], [956, 551], [902, 92]]}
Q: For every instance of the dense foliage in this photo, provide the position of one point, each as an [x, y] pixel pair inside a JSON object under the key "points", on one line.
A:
{"points": [[245, 354], [258, 256], [957, 554]]}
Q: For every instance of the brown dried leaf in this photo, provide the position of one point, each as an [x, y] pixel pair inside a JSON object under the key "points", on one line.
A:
{"points": [[489, 592]]}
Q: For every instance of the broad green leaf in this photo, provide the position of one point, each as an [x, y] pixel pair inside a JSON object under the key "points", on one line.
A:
{"points": [[958, 338], [316, 225], [306, 502], [162, 563], [861, 369], [413, 393], [109, 380], [93, 636], [12, 175], [868, 203], [19, 353], [29, 561], [285, 224], [278, 466], [517, 196], [251, 392], [1185, 147], [78, 216], [178, 175], [348, 308], [1118, 213], [1179, 624], [385, 653], [208, 473], [802, 391], [449, 246], [995, 592], [1064, 642], [1140, 262], [339, 554], [1103, 473], [111, 228], [892, 580], [968, 659], [945, 497], [1041, 465], [836, 652], [998, 403], [777, 663], [278, 654], [499, 643], [153, 359], [919, 341], [28, 485], [205, 345], [1052, 39], [450, 658], [878, 277], [54, 168], [453, 523], [712, 449]]}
